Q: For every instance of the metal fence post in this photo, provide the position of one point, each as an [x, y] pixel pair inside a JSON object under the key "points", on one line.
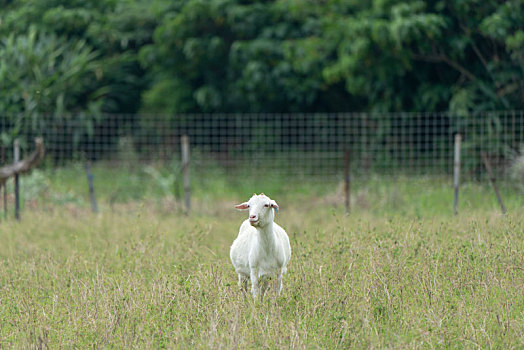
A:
{"points": [[16, 158], [347, 182], [456, 172], [94, 206], [185, 169], [493, 181]]}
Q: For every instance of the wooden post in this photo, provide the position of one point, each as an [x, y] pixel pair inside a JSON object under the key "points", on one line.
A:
{"points": [[2, 155], [2, 160], [20, 167], [94, 206], [456, 172], [493, 181], [16, 158], [4, 186], [185, 169], [347, 182], [5, 201]]}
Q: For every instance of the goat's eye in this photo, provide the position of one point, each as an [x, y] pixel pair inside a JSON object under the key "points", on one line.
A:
{"points": [[266, 205]]}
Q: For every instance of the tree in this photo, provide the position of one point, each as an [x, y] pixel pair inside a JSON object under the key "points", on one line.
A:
{"points": [[431, 55], [231, 56], [286, 55], [114, 29], [78, 60], [45, 75]]}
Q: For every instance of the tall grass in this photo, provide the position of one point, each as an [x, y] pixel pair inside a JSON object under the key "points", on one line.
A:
{"points": [[136, 277], [161, 186]]}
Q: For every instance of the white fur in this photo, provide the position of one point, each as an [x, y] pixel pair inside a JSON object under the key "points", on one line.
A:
{"points": [[262, 248]]}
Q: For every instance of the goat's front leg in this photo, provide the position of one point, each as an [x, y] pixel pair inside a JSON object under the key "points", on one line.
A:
{"points": [[278, 281], [242, 282], [255, 287]]}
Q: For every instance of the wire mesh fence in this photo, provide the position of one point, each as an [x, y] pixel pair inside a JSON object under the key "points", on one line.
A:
{"points": [[300, 145]]}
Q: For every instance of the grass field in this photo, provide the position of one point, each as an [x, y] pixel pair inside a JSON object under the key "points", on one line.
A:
{"points": [[399, 272]]}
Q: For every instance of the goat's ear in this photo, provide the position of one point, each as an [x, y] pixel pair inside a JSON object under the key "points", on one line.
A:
{"points": [[242, 206], [274, 205]]}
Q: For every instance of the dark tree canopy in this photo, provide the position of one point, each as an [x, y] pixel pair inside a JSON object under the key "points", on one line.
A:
{"points": [[179, 56]]}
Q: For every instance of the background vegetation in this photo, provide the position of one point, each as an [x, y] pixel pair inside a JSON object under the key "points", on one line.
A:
{"points": [[161, 189], [83, 62], [178, 56]]}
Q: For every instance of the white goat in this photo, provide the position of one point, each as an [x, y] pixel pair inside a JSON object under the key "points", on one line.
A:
{"points": [[262, 248]]}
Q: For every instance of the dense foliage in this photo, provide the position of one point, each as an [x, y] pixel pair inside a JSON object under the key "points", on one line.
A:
{"points": [[79, 59], [283, 56], [260, 56]]}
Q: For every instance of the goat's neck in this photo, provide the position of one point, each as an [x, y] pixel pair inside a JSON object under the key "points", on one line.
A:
{"points": [[267, 236]]}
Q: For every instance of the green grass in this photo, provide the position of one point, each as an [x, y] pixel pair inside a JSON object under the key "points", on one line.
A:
{"points": [[135, 277], [400, 272], [420, 196]]}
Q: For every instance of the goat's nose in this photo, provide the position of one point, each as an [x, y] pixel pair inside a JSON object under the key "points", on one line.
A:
{"points": [[252, 217]]}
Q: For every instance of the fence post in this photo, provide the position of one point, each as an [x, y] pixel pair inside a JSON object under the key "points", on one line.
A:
{"points": [[5, 201], [16, 158], [456, 172], [2, 161], [493, 181], [185, 169], [94, 206], [347, 182]]}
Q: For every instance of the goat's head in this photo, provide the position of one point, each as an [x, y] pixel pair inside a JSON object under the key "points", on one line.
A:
{"points": [[261, 210]]}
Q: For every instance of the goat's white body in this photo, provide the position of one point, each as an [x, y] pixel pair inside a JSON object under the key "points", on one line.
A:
{"points": [[264, 249], [260, 252]]}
